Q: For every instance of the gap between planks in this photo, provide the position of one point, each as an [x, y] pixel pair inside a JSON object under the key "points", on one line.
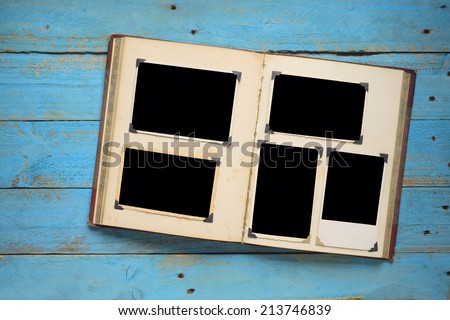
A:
{"points": [[288, 52]]}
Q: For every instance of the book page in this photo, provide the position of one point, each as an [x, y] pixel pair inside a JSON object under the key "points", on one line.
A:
{"points": [[228, 192], [377, 132]]}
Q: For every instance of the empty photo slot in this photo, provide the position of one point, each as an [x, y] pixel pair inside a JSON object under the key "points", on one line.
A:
{"points": [[284, 191], [184, 101], [168, 183], [353, 187], [317, 107]]}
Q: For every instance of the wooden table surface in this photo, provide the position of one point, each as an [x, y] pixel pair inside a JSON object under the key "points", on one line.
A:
{"points": [[52, 60]]}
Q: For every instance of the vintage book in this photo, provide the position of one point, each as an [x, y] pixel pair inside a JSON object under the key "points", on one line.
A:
{"points": [[259, 148]]}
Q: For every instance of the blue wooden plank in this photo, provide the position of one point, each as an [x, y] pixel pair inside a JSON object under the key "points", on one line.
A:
{"points": [[62, 153], [70, 87], [38, 221], [423, 221], [51, 87], [294, 276], [48, 154], [55, 221], [321, 25], [428, 153]]}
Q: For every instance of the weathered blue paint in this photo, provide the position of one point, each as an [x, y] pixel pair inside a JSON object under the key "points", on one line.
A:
{"points": [[37, 86], [54, 221], [54, 71], [51, 87], [62, 153], [257, 276], [48, 154], [320, 25]]}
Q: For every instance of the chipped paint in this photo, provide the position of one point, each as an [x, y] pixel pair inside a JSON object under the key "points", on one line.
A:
{"points": [[178, 262], [18, 248], [425, 181], [65, 64], [19, 131], [34, 39], [51, 115], [19, 180], [4, 38], [15, 182], [41, 181], [82, 43], [73, 245], [345, 298]]}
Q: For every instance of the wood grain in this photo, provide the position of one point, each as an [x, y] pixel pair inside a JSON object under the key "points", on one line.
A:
{"points": [[317, 26], [70, 87], [259, 276], [52, 57], [51, 87], [48, 154], [61, 154], [54, 221]]}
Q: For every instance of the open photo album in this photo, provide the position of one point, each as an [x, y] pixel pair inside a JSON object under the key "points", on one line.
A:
{"points": [[258, 148]]}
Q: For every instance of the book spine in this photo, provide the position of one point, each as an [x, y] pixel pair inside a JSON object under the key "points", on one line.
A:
{"points": [[111, 40], [411, 79]]}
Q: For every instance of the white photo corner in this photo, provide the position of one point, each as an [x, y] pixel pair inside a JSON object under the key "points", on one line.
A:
{"points": [[259, 148]]}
